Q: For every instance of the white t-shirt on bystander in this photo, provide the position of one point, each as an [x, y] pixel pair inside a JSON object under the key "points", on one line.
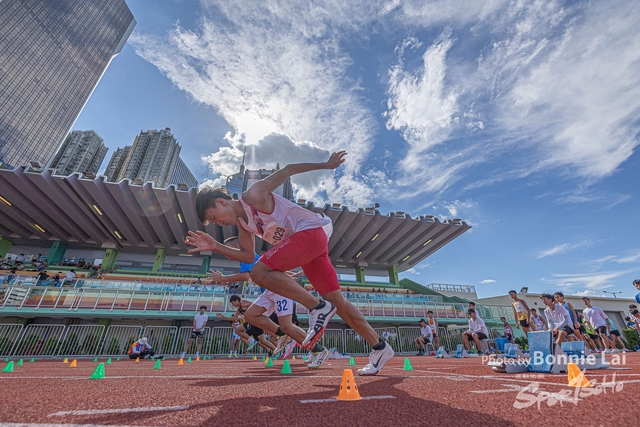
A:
{"points": [[557, 318], [201, 320], [595, 316], [426, 332], [478, 326]]}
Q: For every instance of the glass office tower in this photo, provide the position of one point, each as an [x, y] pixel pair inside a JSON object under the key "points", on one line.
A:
{"points": [[52, 55]]}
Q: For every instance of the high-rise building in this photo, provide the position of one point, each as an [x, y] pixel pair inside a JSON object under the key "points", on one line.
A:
{"points": [[52, 55], [115, 164], [239, 182], [81, 151], [155, 157], [182, 176]]}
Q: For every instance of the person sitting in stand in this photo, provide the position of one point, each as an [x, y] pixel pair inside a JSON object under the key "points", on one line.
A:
{"points": [[141, 349]]}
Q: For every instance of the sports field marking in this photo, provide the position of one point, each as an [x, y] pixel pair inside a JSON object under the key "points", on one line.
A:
{"points": [[512, 388], [119, 411], [336, 400]]}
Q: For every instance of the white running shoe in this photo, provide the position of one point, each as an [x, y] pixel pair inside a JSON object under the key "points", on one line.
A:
{"points": [[288, 349], [318, 321], [182, 355], [377, 359], [309, 357], [280, 344], [321, 356]]}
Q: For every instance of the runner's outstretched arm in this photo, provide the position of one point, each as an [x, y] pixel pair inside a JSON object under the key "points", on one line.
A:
{"points": [[259, 194]]}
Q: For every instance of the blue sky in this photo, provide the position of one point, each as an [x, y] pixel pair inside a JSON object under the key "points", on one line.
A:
{"points": [[522, 118]]}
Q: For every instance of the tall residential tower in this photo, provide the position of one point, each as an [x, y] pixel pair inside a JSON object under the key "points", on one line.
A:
{"points": [[81, 151], [52, 55], [154, 156]]}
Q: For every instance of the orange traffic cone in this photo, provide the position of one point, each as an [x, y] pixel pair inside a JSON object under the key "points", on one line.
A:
{"points": [[348, 387], [575, 377], [73, 364], [181, 362], [137, 359], [197, 359]]}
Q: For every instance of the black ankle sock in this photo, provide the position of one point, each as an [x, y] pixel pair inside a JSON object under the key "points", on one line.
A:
{"points": [[317, 348], [381, 344], [320, 305], [279, 332]]}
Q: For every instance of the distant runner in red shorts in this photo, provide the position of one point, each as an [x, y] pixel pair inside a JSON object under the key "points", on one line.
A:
{"points": [[300, 239]]}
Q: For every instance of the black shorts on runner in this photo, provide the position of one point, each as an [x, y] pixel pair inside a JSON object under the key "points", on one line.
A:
{"points": [[593, 336], [253, 331], [481, 336], [426, 340], [601, 329], [567, 329], [582, 329], [197, 334], [616, 333], [524, 323]]}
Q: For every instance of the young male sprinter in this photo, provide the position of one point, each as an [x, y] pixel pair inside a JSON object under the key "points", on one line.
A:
{"points": [[433, 324], [600, 322], [246, 331], [508, 332], [578, 328], [477, 331], [521, 312], [300, 239], [539, 324], [199, 322], [558, 317]]}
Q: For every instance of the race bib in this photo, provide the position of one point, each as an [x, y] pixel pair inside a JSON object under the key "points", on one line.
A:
{"points": [[275, 233]]}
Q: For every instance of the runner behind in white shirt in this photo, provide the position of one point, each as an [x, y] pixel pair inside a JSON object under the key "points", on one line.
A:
{"points": [[477, 331], [558, 318], [199, 322], [600, 322], [539, 323]]}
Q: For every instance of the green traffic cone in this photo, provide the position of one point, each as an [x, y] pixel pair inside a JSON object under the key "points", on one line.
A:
{"points": [[407, 364], [109, 361], [475, 351], [263, 359], [117, 359], [32, 360], [6, 359], [189, 360], [98, 373], [9, 367], [20, 362], [157, 365], [269, 363], [352, 361], [95, 359], [286, 369]]}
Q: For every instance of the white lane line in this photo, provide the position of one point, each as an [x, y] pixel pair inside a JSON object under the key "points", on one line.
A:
{"points": [[336, 400], [119, 411], [513, 387]]}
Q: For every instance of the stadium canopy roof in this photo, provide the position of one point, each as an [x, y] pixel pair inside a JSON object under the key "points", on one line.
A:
{"points": [[38, 208]]}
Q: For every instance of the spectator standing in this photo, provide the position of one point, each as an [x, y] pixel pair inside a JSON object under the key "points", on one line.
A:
{"points": [[508, 332], [521, 312], [70, 277]]}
